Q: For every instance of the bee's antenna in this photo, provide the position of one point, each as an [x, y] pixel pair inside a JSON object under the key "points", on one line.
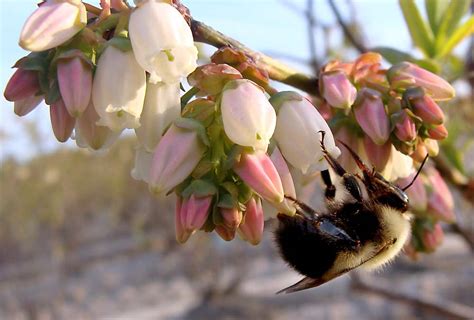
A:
{"points": [[356, 158], [418, 172]]}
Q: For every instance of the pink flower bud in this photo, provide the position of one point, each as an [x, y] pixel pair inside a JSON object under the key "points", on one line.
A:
{"points": [[90, 135], [251, 228], [378, 155], [336, 88], [286, 206], [440, 201], [61, 121], [371, 115], [258, 171], [225, 233], [433, 238], [191, 214], [23, 84], [52, 24], [438, 133], [427, 109], [175, 157], [75, 84], [232, 217], [405, 128], [24, 106], [416, 193], [406, 74]]}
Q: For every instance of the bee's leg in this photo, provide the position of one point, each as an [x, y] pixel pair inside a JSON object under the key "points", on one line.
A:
{"points": [[330, 191], [303, 208], [349, 180]]}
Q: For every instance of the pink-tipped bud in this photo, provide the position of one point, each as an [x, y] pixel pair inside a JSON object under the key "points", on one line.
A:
{"points": [[225, 233], [371, 115], [405, 128], [251, 228], [53, 23], [416, 193], [440, 201], [258, 171], [61, 121], [23, 84], [378, 155], [191, 214], [286, 206], [438, 133], [175, 157], [336, 88], [75, 84], [24, 106], [427, 109], [405, 75], [433, 238], [232, 217]]}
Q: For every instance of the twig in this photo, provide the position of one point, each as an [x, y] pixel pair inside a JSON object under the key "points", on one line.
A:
{"points": [[312, 43], [276, 70], [450, 310], [347, 32]]}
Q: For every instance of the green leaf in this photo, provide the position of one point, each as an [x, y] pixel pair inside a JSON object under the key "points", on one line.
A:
{"points": [[451, 18], [421, 35], [462, 32], [393, 56], [435, 10]]}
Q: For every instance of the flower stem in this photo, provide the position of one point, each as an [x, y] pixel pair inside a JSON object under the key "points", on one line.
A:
{"points": [[276, 70]]}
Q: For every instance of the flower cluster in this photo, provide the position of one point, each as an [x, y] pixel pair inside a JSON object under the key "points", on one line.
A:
{"points": [[393, 120], [103, 72], [232, 148]]}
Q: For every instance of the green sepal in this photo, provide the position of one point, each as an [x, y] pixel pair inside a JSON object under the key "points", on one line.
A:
{"points": [[281, 97], [245, 194], [191, 124], [203, 167], [53, 94], [226, 201], [120, 42], [200, 188]]}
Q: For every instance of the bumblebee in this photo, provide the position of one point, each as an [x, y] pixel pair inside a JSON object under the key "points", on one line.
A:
{"points": [[366, 225]]}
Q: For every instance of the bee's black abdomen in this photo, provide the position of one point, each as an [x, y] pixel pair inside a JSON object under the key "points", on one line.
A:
{"points": [[309, 249]]}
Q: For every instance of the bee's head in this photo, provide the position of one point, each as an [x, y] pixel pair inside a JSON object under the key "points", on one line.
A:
{"points": [[379, 189]]}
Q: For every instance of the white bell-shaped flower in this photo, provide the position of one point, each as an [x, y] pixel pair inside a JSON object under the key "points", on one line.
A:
{"points": [[298, 133], [249, 118], [162, 41], [118, 90], [53, 23], [143, 161], [162, 107]]}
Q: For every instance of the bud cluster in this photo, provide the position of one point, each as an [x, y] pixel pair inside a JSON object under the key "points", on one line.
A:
{"points": [[391, 117], [372, 108]]}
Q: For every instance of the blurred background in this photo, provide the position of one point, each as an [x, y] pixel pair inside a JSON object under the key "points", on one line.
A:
{"points": [[80, 239]]}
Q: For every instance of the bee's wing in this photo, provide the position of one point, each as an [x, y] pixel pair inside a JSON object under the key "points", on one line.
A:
{"points": [[308, 283], [303, 284]]}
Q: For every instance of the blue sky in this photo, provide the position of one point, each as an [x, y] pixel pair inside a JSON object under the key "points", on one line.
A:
{"points": [[265, 25]]}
